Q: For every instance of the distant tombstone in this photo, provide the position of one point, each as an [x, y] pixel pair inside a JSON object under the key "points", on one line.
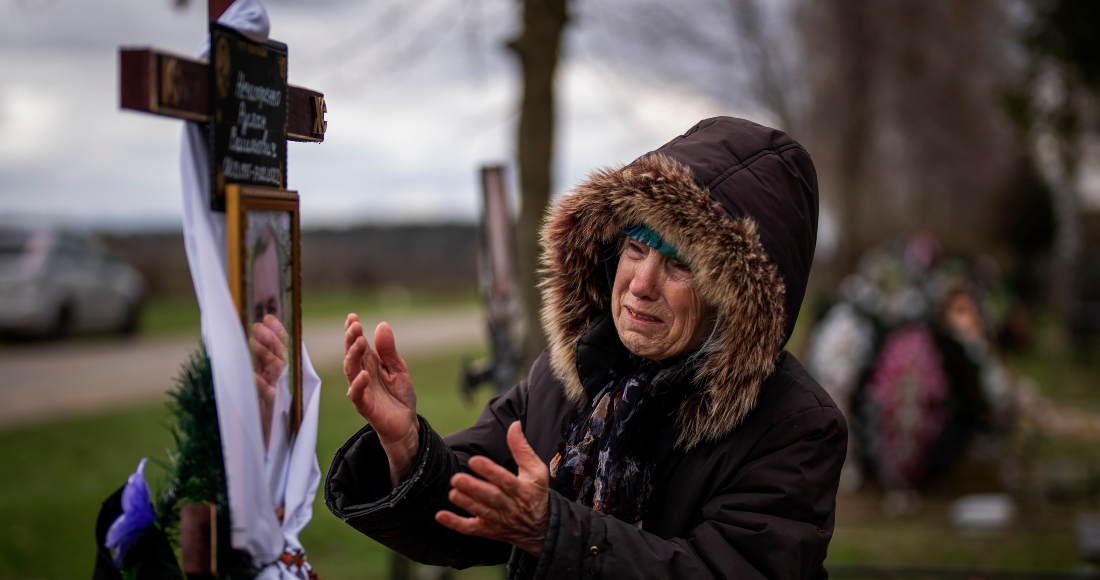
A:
{"points": [[498, 275]]}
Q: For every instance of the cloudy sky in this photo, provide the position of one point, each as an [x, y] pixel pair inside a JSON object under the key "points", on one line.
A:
{"points": [[419, 96]]}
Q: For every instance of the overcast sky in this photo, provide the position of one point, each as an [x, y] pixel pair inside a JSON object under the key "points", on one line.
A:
{"points": [[419, 96]]}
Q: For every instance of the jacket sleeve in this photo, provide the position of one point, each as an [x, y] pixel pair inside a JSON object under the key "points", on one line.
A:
{"points": [[772, 520], [357, 488]]}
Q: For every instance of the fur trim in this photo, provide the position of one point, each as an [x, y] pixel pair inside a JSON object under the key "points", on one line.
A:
{"points": [[732, 273]]}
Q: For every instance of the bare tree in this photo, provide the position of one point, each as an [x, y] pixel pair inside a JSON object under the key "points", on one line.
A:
{"points": [[1059, 108], [742, 53], [905, 122], [538, 48]]}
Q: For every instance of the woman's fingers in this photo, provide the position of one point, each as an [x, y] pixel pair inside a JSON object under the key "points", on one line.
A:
{"points": [[474, 506], [260, 350], [497, 475], [509, 508], [526, 459], [360, 395], [357, 384], [352, 331], [359, 355], [467, 526], [353, 358], [265, 389], [268, 361], [486, 493], [264, 336], [269, 336], [387, 349], [276, 327]]}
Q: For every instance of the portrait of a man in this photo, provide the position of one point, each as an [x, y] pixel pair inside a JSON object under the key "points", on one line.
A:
{"points": [[269, 320], [268, 276], [262, 262]]}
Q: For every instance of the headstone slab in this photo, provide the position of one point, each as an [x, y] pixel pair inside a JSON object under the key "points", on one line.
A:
{"points": [[248, 114]]}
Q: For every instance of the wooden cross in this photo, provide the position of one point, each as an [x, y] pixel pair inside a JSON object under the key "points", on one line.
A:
{"points": [[162, 83], [251, 112]]}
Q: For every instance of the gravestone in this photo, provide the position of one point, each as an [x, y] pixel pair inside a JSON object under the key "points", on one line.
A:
{"points": [[499, 282]]}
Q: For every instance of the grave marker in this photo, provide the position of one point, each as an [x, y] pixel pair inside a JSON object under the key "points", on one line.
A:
{"points": [[250, 112], [499, 281]]}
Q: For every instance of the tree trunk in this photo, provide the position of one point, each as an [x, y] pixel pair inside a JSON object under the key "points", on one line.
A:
{"points": [[1067, 236], [537, 48], [858, 42]]}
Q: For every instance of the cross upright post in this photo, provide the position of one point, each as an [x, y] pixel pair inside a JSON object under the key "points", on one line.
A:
{"points": [[215, 8]]}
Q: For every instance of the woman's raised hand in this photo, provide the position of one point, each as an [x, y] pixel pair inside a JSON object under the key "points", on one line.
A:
{"points": [[382, 392], [269, 360], [505, 507]]}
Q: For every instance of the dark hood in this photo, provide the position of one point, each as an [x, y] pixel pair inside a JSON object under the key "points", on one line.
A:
{"points": [[754, 171], [740, 203]]}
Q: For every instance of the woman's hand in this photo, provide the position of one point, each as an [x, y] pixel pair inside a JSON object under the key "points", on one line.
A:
{"points": [[382, 392], [509, 508], [269, 357]]}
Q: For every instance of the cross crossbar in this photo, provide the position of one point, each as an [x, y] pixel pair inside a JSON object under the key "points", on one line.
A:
{"points": [[162, 83]]}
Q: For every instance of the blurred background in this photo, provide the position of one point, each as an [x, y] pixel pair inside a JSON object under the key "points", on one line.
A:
{"points": [[954, 309]]}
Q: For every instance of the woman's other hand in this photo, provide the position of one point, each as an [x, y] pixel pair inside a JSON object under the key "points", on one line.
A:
{"points": [[505, 507], [382, 392], [270, 358]]}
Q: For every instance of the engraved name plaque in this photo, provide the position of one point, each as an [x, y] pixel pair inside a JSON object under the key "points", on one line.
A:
{"points": [[248, 124]]}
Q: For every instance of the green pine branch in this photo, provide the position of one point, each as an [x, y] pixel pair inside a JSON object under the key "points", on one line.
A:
{"points": [[195, 471]]}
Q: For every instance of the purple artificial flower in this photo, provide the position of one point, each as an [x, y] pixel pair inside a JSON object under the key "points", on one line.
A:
{"points": [[137, 514]]}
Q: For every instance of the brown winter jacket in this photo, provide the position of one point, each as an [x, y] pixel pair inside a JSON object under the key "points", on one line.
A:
{"points": [[749, 447]]}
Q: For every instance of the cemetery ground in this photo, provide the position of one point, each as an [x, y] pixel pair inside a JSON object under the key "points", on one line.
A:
{"points": [[57, 472]]}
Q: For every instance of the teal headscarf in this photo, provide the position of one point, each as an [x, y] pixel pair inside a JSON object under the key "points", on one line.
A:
{"points": [[651, 239]]}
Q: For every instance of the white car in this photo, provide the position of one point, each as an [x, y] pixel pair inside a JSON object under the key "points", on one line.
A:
{"points": [[55, 282]]}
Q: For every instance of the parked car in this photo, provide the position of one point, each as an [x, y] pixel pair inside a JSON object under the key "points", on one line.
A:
{"points": [[57, 282]]}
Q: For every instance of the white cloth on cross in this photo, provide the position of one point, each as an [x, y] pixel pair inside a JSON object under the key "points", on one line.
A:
{"points": [[255, 528]]}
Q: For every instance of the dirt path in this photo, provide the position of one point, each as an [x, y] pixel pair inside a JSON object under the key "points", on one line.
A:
{"points": [[44, 381]]}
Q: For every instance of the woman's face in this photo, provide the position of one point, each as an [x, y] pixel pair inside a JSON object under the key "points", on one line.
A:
{"points": [[656, 310]]}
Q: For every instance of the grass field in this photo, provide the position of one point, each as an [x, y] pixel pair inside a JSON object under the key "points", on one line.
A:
{"points": [[56, 474]]}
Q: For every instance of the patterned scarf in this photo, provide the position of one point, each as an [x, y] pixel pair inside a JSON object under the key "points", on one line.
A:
{"points": [[601, 463]]}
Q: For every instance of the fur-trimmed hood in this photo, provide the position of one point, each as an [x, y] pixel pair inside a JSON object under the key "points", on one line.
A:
{"points": [[739, 201]]}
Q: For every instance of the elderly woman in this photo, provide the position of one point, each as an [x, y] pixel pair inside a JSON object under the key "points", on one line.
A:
{"points": [[664, 433]]}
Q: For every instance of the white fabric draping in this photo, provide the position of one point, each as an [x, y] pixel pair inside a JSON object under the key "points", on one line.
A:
{"points": [[255, 529]]}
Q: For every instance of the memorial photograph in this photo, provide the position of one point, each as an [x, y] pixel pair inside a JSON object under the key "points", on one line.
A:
{"points": [[262, 247]]}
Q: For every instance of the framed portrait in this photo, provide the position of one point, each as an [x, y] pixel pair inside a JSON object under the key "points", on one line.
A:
{"points": [[262, 235]]}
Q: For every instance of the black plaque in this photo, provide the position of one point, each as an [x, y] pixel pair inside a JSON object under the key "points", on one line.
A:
{"points": [[248, 124]]}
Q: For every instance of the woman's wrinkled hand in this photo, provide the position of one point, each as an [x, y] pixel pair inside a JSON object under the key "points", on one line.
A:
{"points": [[505, 507], [382, 392], [270, 358]]}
